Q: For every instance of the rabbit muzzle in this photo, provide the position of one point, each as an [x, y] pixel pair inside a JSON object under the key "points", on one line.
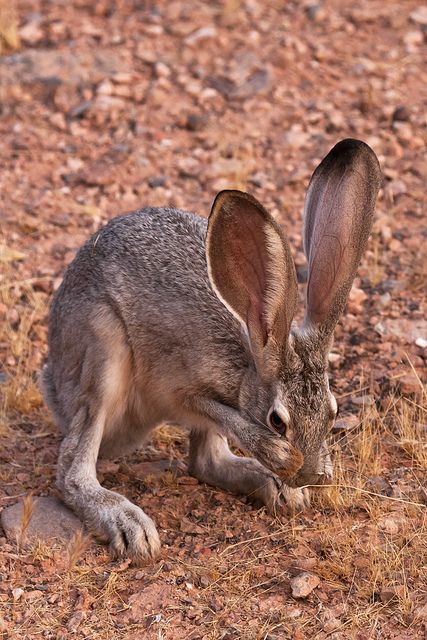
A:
{"points": [[307, 476]]}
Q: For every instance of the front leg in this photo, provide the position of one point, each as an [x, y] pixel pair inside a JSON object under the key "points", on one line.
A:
{"points": [[211, 461], [266, 445]]}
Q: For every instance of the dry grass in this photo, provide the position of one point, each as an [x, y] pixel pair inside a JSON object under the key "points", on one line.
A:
{"points": [[76, 548], [27, 512], [9, 37], [26, 311], [356, 553]]}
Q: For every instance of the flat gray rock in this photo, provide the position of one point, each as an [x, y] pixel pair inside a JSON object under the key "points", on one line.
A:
{"points": [[50, 520]]}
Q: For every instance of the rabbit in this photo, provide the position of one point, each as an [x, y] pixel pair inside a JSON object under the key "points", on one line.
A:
{"points": [[166, 317]]}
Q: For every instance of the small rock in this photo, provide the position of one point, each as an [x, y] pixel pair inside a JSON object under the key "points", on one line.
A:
{"points": [[421, 342], [346, 423], [330, 621], [389, 593], [200, 34], [302, 565], [363, 401], [409, 385], [392, 523], [50, 520], [384, 300], [296, 137], [156, 181], [58, 121], [419, 15], [401, 114], [75, 621], [413, 39], [204, 581], [334, 358], [195, 122], [355, 301], [380, 485], [17, 594], [303, 584], [31, 32]]}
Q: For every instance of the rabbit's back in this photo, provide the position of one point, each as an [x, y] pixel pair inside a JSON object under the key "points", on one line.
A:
{"points": [[142, 279], [151, 266]]}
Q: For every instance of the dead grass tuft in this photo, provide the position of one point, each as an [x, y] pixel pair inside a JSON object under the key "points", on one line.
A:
{"points": [[9, 37], [27, 512], [76, 548], [26, 312]]}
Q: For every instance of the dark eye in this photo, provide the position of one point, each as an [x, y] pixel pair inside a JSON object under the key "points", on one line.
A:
{"points": [[276, 422]]}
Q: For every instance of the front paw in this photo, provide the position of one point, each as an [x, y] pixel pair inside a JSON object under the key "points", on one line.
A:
{"points": [[129, 531], [296, 499]]}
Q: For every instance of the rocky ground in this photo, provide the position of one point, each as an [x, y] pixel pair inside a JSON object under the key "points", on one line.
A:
{"points": [[109, 106]]}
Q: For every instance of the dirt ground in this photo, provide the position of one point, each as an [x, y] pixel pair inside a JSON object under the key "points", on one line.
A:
{"points": [[110, 106]]}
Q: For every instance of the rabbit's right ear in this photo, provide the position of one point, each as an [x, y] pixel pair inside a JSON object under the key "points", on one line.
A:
{"points": [[251, 270], [338, 216]]}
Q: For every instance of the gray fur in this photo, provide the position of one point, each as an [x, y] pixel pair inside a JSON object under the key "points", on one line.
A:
{"points": [[138, 336]]}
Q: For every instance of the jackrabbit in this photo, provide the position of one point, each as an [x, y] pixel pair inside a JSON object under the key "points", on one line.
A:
{"points": [[165, 317]]}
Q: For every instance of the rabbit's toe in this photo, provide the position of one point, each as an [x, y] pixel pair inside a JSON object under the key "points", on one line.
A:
{"points": [[132, 533], [296, 499]]}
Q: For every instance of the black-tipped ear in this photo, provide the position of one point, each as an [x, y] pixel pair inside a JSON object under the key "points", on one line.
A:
{"points": [[338, 216], [251, 268]]}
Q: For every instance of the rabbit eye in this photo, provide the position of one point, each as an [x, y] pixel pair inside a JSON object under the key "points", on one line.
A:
{"points": [[276, 422]]}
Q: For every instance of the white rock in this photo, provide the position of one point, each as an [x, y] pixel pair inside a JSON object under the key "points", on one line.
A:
{"points": [[419, 15], [17, 594]]}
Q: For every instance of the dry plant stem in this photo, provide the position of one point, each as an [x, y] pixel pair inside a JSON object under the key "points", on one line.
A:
{"points": [[76, 548], [9, 37], [365, 492], [27, 512]]}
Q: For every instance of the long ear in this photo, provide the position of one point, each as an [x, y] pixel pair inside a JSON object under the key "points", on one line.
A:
{"points": [[338, 216], [252, 272]]}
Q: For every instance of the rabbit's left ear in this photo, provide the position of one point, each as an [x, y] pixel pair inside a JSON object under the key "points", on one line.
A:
{"points": [[251, 270], [338, 216]]}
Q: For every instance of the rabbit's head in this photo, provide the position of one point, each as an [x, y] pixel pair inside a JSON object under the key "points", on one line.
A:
{"points": [[252, 272]]}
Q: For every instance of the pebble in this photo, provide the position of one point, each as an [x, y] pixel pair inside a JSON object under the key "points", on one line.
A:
{"points": [[346, 423], [363, 401], [419, 15], [389, 593], [17, 594], [303, 584], [392, 523], [355, 301], [31, 33], [75, 621], [201, 34], [409, 385], [401, 113], [380, 485], [302, 565]]}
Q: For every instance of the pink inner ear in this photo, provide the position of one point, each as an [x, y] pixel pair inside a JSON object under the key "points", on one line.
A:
{"points": [[327, 258], [245, 264]]}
